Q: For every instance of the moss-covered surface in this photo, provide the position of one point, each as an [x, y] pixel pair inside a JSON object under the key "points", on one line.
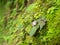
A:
{"points": [[19, 28]]}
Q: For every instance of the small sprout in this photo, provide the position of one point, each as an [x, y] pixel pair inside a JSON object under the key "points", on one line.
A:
{"points": [[40, 23]]}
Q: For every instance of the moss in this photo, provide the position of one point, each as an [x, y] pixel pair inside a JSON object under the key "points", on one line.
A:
{"points": [[20, 27]]}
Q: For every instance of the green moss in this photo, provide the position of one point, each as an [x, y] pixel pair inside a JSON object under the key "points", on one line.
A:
{"points": [[20, 26]]}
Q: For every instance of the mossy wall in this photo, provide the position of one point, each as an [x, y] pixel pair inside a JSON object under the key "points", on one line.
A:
{"points": [[19, 27]]}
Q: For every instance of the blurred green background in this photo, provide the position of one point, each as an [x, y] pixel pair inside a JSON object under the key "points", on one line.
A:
{"points": [[29, 22]]}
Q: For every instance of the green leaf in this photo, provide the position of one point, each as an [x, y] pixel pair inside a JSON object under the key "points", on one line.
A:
{"points": [[41, 22], [33, 30]]}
